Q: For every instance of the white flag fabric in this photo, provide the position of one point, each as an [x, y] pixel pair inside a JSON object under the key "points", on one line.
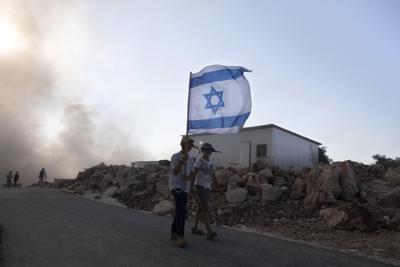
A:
{"points": [[219, 100]]}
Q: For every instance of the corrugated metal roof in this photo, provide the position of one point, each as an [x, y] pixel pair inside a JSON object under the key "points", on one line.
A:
{"points": [[266, 126]]}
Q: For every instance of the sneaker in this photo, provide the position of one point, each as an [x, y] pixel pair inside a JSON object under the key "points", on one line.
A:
{"points": [[181, 242], [196, 231], [211, 235], [174, 236]]}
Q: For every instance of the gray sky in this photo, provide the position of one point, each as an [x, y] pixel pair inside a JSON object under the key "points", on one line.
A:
{"points": [[324, 69]]}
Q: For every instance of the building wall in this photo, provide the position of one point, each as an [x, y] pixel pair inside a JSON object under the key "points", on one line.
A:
{"points": [[283, 149], [258, 137], [292, 151], [229, 145]]}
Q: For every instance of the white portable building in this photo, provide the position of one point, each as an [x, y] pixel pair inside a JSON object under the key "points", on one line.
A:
{"points": [[266, 142]]}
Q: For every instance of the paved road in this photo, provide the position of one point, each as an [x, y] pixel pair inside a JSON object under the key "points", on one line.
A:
{"points": [[44, 227]]}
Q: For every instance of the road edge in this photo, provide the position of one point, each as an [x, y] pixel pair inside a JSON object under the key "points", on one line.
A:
{"points": [[269, 234], [357, 253]]}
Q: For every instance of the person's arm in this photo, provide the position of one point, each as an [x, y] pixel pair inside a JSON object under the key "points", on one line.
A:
{"points": [[177, 165], [191, 178], [193, 173]]}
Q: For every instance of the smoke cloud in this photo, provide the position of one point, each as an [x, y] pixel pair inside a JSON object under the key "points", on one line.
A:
{"points": [[30, 93]]}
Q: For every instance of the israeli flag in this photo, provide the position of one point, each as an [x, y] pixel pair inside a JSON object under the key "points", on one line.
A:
{"points": [[219, 100]]}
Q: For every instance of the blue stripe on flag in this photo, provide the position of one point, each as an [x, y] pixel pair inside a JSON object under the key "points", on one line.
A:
{"points": [[221, 122], [216, 76]]}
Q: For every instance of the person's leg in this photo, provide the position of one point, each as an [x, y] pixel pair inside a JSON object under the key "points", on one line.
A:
{"points": [[203, 203], [206, 220], [180, 218], [198, 210], [199, 216], [206, 217], [180, 213], [178, 223], [197, 219], [173, 226]]}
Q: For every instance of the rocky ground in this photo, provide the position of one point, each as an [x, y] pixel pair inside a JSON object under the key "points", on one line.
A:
{"points": [[344, 205]]}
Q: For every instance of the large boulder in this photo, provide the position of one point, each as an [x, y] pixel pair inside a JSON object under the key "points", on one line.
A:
{"points": [[380, 193], [393, 176], [151, 178], [222, 176], [322, 186], [266, 173], [152, 168], [97, 173], [297, 195], [109, 192], [233, 181], [376, 170], [299, 185], [348, 182], [242, 172], [131, 180], [106, 181], [260, 165], [351, 217], [270, 193], [122, 171], [164, 207], [120, 180], [394, 222], [253, 183], [122, 190], [164, 163], [280, 181], [163, 189], [236, 196], [334, 216]]}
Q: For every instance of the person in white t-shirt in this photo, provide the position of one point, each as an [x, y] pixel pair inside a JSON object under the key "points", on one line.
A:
{"points": [[182, 166], [205, 178]]}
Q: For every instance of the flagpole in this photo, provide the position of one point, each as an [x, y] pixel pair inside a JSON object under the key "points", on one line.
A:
{"points": [[187, 128], [188, 106]]}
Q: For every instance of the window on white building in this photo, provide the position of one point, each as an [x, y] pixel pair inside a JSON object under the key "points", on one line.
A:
{"points": [[261, 151]]}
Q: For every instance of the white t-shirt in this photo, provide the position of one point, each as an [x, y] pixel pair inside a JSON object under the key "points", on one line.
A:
{"points": [[176, 181], [205, 172]]}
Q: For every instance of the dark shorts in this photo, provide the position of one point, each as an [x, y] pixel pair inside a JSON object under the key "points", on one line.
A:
{"points": [[203, 194]]}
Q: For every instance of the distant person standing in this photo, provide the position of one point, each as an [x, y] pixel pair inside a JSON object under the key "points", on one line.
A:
{"points": [[182, 166], [16, 179], [42, 176], [9, 178]]}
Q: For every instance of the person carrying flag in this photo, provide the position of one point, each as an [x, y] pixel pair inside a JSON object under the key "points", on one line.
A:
{"points": [[181, 174]]}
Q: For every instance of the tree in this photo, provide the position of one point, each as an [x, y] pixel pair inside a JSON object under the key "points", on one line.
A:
{"points": [[322, 156], [386, 162]]}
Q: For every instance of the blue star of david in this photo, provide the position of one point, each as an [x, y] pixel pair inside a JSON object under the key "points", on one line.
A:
{"points": [[209, 97]]}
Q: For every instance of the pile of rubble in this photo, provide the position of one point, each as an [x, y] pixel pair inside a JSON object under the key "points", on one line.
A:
{"points": [[346, 205], [343, 195]]}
